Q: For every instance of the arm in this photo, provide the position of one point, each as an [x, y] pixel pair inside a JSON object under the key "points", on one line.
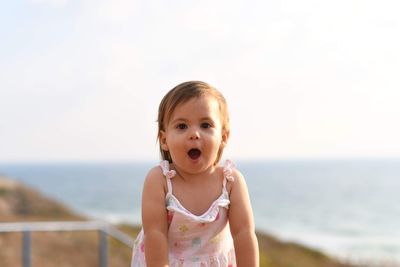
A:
{"points": [[242, 224], [154, 219]]}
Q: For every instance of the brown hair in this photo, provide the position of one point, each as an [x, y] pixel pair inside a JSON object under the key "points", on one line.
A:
{"points": [[183, 93]]}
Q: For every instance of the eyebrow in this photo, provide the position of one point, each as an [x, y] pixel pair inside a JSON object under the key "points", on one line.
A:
{"points": [[185, 120], [207, 119], [177, 120]]}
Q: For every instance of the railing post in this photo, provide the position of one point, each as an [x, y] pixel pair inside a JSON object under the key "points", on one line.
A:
{"points": [[26, 248], [103, 249], [27, 228]]}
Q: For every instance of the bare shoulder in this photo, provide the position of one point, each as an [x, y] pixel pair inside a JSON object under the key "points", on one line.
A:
{"points": [[155, 179], [237, 175], [154, 173]]}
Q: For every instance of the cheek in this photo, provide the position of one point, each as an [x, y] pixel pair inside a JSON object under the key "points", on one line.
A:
{"points": [[217, 141], [174, 141]]}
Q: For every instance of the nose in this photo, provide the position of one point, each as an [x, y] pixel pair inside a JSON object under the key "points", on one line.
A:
{"points": [[194, 134]]}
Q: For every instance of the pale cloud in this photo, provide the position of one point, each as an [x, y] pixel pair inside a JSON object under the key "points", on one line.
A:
{"points": [[110, 11], [53, 3], [302, 79]]}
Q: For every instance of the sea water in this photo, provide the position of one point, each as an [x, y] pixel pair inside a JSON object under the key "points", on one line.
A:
{"points": [[346, 208]]}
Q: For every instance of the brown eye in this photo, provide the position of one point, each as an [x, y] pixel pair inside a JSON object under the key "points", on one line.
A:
{"points": [[206, 125], [181, 126]]}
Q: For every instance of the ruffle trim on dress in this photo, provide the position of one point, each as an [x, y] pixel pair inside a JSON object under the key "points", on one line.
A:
{"points": [[228, 169], [226, 259], [173, 204], [210, 215]]}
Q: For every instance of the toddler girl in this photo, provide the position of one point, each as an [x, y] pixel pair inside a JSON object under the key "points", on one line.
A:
{"points": [[195, 212]]}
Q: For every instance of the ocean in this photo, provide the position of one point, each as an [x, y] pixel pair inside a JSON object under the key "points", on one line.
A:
{"points": [[346, 208]]}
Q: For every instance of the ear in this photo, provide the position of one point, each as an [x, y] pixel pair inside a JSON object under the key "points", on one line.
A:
{"points": [[163, 141], [225, 138]]}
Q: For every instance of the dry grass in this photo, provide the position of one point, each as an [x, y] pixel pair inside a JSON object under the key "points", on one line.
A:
{"points": [[66, 249], [283, 254]]}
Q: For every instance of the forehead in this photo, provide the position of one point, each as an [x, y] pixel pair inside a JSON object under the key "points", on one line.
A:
{"points": [[203, 106]]}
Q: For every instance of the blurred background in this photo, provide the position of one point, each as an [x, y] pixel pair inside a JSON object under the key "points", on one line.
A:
{"points": [[312, 88]]}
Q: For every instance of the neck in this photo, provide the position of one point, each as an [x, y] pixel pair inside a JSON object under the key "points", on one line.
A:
{"points": [[193, 176]]}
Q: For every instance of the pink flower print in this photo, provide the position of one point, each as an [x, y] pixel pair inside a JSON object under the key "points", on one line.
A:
{"points": [[230, 265], [215, 239], [183, 229], [142, 247]]}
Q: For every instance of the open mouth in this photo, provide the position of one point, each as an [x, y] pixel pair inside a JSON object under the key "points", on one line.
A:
{"points": [[194, 153]]}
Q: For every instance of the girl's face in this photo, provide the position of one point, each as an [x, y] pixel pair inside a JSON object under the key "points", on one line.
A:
{"points": [[193, 135]]}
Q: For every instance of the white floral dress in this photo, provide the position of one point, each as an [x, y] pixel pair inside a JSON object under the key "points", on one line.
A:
{"points": [[204, 240]]}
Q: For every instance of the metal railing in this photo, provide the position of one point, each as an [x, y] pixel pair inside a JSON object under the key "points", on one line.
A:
{"points": [[103, 228]]}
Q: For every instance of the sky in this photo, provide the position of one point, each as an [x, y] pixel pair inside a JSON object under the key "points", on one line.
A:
{"points": [[82, 80]]}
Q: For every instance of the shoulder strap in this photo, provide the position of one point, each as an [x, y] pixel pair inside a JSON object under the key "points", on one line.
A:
{"points": [[167, 173], [228, 169]]}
